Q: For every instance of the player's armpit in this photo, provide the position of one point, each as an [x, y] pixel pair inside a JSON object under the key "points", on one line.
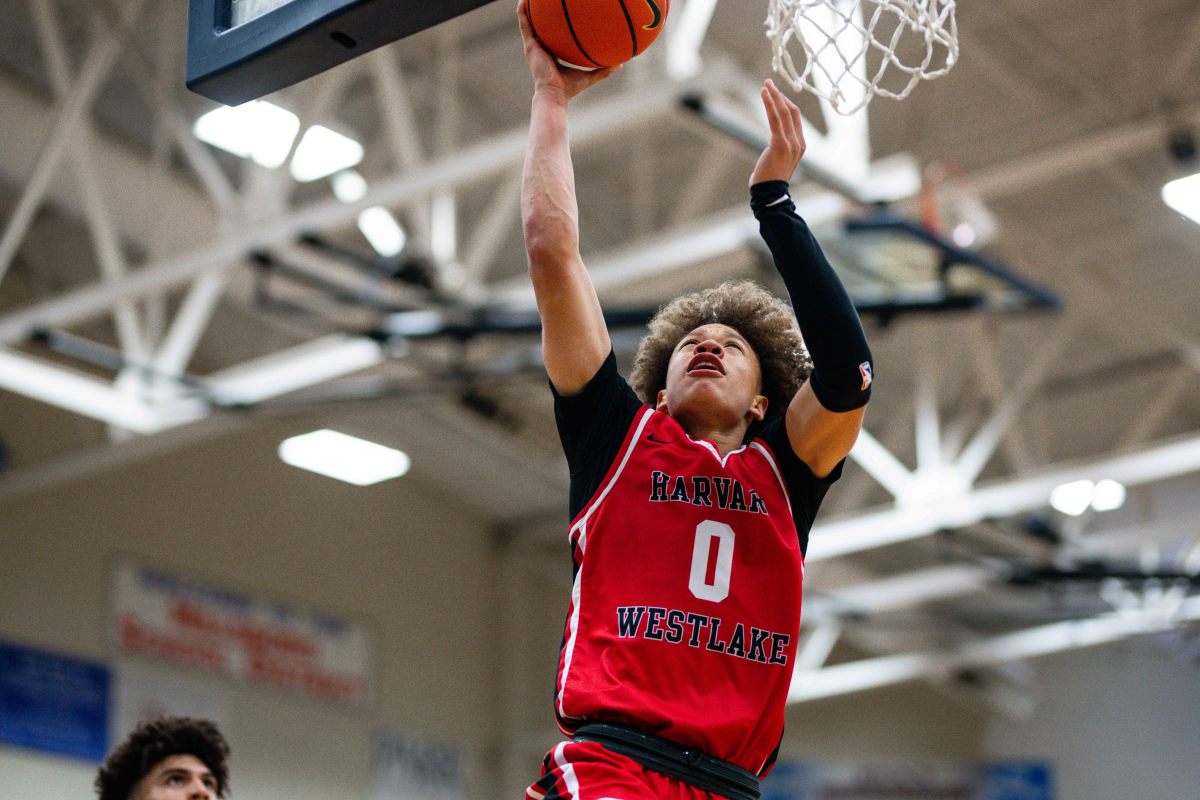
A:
{"points": [[820, 437]]}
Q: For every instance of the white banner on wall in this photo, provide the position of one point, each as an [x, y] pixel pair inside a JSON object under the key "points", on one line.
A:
{"points": [[141, 694], [239, 636], [409, 768]]}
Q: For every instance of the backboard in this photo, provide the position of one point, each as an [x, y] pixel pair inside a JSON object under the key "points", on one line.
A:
{"points": [[239, 50], [891, 266]]}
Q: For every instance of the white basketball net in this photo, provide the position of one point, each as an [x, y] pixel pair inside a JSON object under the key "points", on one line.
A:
{"points": [[850, 46]]}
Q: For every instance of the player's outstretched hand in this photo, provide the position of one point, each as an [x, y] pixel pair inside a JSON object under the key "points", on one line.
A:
{"points": [[786, 147], [547, 74]]}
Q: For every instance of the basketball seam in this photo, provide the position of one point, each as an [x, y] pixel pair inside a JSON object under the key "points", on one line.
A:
{"points": [[629, 22], [571, 28]]}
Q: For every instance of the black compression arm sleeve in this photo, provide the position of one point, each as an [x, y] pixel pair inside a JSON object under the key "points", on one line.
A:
{"points": [[842, 367]]}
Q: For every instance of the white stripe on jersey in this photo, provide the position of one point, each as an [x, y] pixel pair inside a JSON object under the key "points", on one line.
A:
{"points": [[581, 526], [774, 468], [568, 771], [569, 648], [580, 529], [766, 453]]}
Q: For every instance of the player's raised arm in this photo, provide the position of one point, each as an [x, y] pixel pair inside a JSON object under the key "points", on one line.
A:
{"points": [[574, 338], [824, 418]]}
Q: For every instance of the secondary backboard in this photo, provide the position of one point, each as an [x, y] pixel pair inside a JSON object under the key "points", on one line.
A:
{"points": [[239, 50], [891, 265]]}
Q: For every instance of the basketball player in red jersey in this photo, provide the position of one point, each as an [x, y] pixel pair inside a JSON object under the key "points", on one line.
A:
{"points": [[693, 486]]}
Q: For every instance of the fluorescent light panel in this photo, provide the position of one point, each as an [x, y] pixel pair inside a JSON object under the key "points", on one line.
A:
{"points": [[1108, 495], [1183, 195], [382, 231], [259, 130], [1072, 498], [1076, 497], [322, 152], [344, 457], [349, 186]]}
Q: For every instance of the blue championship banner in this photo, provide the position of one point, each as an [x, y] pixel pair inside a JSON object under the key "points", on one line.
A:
{"points": [[53, 703], [1005, 780]]}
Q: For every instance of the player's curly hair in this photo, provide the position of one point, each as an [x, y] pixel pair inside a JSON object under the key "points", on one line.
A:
{"points": [[766, 322], [153, 741]]}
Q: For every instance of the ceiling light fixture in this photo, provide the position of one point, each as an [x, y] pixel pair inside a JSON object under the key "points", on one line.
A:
{"points": [[382, 231], [344, 457], [349, 186], [322, 152], [1108, 495], [258, 130], [1072, 498], [1183, 195], [1076, 497]]}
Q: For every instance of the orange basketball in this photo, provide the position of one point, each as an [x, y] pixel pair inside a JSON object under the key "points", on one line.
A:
{"points": [[593, 34]]}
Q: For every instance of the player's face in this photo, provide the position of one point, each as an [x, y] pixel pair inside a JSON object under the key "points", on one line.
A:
{"points": [[713, 379], [182, 777]]}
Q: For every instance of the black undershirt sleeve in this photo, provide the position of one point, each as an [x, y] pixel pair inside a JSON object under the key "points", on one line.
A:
{"points": [[842, 367], [592, 426], [805, 490]]}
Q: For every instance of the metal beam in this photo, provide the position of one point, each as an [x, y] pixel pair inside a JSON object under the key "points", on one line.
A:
{"points": [[71, 110], [598, 121], [1056, 163], [715, 235], [881, 465], [304, 365], [900, 591], [1057, 637], [959, 509], [975, 456], [89, 396], [105, 241], [127, 177], [490, 233]]}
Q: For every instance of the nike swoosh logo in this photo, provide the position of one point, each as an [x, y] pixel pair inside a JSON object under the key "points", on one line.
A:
{"points": [[657, 16], [651, 438]]}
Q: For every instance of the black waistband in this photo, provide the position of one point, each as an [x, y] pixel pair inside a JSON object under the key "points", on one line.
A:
{"points": [[689, 765]]}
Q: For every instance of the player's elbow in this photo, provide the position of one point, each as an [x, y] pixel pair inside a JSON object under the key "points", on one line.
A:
{"points": [[550, 252]]}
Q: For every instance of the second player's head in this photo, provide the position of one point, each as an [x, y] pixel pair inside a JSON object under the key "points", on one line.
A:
{"points": [[723, 355], [170, 758]]}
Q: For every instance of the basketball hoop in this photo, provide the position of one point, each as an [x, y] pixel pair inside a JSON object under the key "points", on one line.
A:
{"points": [[905, 41]]}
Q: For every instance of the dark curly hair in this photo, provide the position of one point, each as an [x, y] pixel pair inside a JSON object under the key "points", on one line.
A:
{"points": [[153, 741], [764, 321]]}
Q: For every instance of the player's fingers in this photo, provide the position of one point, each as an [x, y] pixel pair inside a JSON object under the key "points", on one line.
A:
{"points": [[601, 74], [784, 128], [798, 119], [787, 124], [523, 21], [774, 123], [791, 121]]}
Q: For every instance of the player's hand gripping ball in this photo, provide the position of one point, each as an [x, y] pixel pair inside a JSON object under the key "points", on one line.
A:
{"points": [[594, 34]]}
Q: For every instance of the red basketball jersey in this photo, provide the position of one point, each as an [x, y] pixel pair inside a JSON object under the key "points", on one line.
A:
{"points": [[686, 602]]}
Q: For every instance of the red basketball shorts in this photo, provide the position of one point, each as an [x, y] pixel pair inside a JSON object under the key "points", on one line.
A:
{"points": [[588, 771]]}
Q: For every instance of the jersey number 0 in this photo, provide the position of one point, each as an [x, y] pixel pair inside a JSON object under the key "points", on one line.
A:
{"points": [[711, 535]]}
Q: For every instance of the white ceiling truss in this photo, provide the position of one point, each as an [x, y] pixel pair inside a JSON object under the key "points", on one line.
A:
{"points": [[986, 438]]}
